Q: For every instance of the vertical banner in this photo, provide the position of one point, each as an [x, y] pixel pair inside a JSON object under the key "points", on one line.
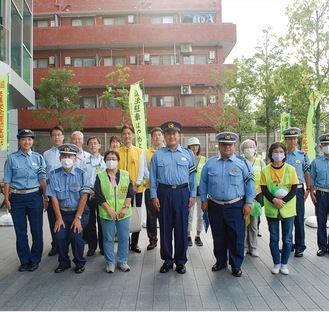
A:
{"points": [[309, 137], [3, 112], [285, 123], [138, 115]]}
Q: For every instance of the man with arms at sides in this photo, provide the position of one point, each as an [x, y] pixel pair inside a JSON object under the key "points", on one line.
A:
{"points": [[77, 139], [173, 191]]}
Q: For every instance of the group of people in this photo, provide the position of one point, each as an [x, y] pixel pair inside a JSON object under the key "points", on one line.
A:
{"points": [[90, 198]]}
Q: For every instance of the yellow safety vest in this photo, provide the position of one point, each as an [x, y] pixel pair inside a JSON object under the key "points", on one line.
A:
{"points": [[200, 165]]}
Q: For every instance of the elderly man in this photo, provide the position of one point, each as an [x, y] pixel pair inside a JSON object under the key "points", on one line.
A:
{"points": [[227, 191], [77, 139]]}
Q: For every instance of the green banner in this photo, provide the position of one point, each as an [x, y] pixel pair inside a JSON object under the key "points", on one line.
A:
{"points": [[4, 112], [285, 123]]}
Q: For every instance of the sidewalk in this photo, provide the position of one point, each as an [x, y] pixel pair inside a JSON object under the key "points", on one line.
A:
{"points": [[144, 288]]}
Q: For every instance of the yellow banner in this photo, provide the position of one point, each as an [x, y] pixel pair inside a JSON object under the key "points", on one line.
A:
{"points": [[138, 115], [309, 138], [284, 124], [3, 112]]}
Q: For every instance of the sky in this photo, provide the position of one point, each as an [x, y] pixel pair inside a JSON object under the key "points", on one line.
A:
{"points": [[251, 17]]}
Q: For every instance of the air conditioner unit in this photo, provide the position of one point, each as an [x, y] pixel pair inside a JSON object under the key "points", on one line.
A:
{"points": [[186, 48], [131, 19], [212, 55], [146, 98], [212, 99], [67, 61], [185, 89], [146, 57], [132, 59], [51, 60]]}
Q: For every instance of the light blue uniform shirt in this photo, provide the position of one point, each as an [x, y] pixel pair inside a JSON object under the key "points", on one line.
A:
{"points": [[227, 179], [52, 160], [320, 172], [301, 162], [67, 187], [93, 165], [173, 168], [23, 171], [80, 157]]}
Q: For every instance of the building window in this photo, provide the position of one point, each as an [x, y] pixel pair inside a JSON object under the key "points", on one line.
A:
{"points": [[88, 102], [83, 62], [114, 60], [195, 100], [163, 60], [40, 63], [198, 18], [40, 23], [167, 101], [110, 103], [85, 21], [195, 59], [162, 20], [117, 20]]}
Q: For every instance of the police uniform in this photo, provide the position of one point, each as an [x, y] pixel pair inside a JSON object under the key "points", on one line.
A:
{"points": [[68, 189], [25, 173], [320, 184], [301, 162], [227, 185], [173, 183]]}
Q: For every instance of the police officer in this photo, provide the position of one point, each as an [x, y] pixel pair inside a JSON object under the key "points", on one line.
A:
{"points": [[227, 191], [301, 162], [173, 190], [320, 193], [69, 188], [24, 175]]}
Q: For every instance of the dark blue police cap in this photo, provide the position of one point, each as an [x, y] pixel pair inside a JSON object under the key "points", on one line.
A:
{"points": [[226, 137], [324, 138], [171, 126], [291, 132], [25, 133], [68, 148]]}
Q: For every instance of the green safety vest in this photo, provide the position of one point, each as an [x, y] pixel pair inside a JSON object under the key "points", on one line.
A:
{"points": [[200, 165], [289, 209], [257, 167], [115, 196]]}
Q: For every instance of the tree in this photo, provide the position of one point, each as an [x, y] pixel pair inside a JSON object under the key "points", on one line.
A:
{"points": [[59, 96], [116, 91]]}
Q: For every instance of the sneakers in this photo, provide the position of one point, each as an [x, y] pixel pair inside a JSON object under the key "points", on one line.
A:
{"points": [[123, 267], [110, 268], [276, 269], [284, 269], [254, 253], [198, 241], [189, 241]]}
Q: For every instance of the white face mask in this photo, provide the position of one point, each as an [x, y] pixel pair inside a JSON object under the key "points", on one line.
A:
{"points": [[325, 149], [278, 156], [249, 152], [67, 163], [112, 164]]}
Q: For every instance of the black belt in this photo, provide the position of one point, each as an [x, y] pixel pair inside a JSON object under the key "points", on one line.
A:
{"points": [[160, 185]]}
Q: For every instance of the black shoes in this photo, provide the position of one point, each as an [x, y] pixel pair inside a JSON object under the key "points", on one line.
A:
{"points": [[321, 253], [53, 251], [237, 272], [218, 267], [151, 245], [136, 249], [189, 241], [90, 252], [33, 266], [60, 269], [298, 254], [102, 252], [165, 268], [23, 267], [79, 269], [180, 268], [198, 241]]}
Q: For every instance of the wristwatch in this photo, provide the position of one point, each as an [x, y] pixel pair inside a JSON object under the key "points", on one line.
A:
{"points": [[125, 206], [79, 217]]}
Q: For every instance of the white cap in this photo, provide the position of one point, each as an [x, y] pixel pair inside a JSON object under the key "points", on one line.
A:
{"points": [[193, 141]]}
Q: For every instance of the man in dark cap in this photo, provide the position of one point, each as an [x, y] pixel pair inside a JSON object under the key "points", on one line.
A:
{"points": [[227, 191], [69, 189], [173, 190], [301, 162]]}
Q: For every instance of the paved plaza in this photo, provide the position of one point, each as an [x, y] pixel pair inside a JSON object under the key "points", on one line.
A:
{"points": [[144, 288]]}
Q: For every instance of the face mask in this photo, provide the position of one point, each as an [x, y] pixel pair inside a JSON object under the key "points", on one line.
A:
{"points": [[278, 156], [67, 163], [112, 164], [325, 149], [249, 152]]}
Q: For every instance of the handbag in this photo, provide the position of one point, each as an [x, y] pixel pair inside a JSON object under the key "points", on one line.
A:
{"points": [[136, 218]]}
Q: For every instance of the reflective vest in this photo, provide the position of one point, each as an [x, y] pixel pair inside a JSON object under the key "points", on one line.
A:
{"points": [[149, 153], [200, 165], [289, 209], [115, 196], [257, 166]]}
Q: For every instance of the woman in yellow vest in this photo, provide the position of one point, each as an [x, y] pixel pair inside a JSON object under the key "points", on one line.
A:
{"points": [[113, 192], [279, 182], [249, 149]]}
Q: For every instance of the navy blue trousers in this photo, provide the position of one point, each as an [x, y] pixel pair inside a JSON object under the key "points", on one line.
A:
{"points": [[228, 231], [173, 216], [65, 236], [299, 221], [30, 206], [322, 211]]}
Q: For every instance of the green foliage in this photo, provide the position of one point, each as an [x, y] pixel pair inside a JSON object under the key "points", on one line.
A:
{"points": [[59, 96], [117, 92]]}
